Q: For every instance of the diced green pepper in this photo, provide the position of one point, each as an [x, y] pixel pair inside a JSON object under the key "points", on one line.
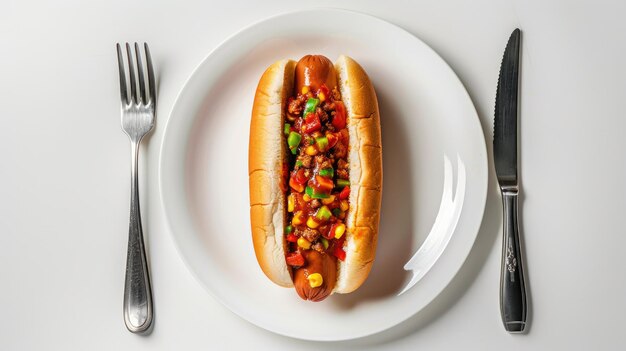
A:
{"points": [[311, 105], [336, 212], [324, 242], [327, 172], [342, 183], [288, 229], [323, 213], [287, 128], [309, 191], [322, 143], [299, 163], [294, 140]]}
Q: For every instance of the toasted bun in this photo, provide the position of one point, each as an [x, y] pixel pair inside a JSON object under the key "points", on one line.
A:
{"points": [[265, 158], [366, 174], [267, 154]]}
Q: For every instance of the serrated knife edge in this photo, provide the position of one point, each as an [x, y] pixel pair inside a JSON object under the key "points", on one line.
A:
{"points": [[505, 113]]}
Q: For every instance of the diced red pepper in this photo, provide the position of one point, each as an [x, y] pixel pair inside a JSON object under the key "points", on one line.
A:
{"points": [[339, 120], [339, 253], [324, 90], [300, 204], [311, 123], [324, 230], [291, 237], [338, 249], [345, 193], [295, 259], [332, 140], [331, 233], [300, 178], [295, 185], [324, 184]]}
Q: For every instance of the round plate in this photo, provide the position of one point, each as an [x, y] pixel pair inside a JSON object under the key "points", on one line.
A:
{"points": [[426, 114]]}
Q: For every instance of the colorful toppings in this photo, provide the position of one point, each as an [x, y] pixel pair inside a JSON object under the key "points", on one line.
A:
{"points": [[337, 230], [315, 280], [295, 259], [345, 193], [293, 140], [339, 119], [327, 172], [303, 243], [314, 194], [311, 105], [323, 214], [311, 123], [295, 186], [319, 185], [321, 143], [342, 183]]}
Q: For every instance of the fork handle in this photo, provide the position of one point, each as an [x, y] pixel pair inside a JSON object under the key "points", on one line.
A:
{"points": [[512, 284], [137, 290]]}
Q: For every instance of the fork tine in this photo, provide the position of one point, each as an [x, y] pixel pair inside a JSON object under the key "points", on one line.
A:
{"points": [[142, 83], [152, 88], [131, 69], [120, 64]]}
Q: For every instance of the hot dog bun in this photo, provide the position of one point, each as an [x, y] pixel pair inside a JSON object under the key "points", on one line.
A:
{"points": [[267, 153]]}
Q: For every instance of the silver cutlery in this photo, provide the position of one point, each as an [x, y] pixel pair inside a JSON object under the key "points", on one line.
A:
{"points": [[138, 114], [512, 285]]}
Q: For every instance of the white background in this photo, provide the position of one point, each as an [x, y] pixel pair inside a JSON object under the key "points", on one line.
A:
{"points": [[64, 179]]}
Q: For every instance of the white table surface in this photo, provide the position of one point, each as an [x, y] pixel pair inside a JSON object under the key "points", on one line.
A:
{"points": [[64, 179]]}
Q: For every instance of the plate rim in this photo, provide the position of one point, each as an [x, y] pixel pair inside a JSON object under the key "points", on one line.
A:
{"points": [[175, 106]]}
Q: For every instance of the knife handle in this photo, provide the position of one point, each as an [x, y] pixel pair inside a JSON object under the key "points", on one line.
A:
{"points": [[512, 285]]}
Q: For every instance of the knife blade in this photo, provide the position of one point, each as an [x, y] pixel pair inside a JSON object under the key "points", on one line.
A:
{"points": [[505, 121], [513, 307]]}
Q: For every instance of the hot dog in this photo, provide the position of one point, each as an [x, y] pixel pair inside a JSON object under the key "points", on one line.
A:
{"points": [[315, 174]]}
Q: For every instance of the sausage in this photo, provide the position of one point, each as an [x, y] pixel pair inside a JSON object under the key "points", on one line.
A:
{"points": [[316, 262], [313, 71]]}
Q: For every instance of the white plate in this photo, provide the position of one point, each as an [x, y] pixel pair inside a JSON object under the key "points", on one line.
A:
{"points": [[425, 114]]}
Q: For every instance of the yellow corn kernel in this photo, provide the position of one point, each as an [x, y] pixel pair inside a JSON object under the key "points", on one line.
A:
{"points": [[290, 203], [297, 218], [303, 243], [311, 223], [321, 96], [310, 150], [306, 197], [305, 90], [344, 205], [339, 230], [315, 280], [329, 200]]}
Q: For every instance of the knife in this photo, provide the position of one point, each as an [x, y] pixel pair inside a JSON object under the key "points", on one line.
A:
{"points": [[512, 286]]}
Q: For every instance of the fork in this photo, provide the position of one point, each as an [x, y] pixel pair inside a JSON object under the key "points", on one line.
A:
{"points": [[138, 114]]}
